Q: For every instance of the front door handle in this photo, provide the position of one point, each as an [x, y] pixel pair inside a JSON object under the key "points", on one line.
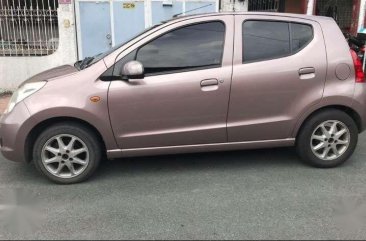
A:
{"points": [[307, 73], [309, 70], [209, 84]]}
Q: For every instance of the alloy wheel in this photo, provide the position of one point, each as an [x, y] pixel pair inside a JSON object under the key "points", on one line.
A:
{"points": [[330, 140], [65, 156]]}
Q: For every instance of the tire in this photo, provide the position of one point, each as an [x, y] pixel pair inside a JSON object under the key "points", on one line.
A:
{"points": [[72, 152], [313, 140]]}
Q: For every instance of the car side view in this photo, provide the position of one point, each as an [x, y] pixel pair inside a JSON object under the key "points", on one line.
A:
{"points": [[200, 83]]}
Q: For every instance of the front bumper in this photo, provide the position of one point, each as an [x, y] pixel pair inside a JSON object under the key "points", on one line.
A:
{"points": [[13, 133]]}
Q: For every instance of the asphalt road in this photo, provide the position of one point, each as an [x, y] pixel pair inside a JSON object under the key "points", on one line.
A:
{"points": [[261, 194]]}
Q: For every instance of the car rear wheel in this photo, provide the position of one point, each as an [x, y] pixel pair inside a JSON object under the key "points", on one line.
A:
{"points": [[67, 153], [327, 139]]}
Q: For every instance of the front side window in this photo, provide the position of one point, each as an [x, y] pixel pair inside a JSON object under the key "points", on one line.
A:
{"points": [[264, 40], [192, 47]]}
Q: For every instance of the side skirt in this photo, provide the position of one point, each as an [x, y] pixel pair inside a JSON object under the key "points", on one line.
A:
{"points": [[166, 150]]}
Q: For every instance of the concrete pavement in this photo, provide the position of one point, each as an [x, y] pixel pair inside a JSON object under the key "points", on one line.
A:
{"points": [[261, 194]]}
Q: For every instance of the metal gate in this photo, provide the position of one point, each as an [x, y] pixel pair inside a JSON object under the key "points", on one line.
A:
{"points": [[103, 24], [28, 28], [265, 5], [340, 10]]}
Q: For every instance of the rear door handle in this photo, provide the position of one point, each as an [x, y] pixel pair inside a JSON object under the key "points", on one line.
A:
{"points": [[209, 84], [307, 73]]}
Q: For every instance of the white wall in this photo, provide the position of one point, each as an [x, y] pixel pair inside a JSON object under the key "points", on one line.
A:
{"points": [[361, 16], [229, 5], [14, 70], [310, 7]]}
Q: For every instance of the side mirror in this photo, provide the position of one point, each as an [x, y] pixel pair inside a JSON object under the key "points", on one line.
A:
{"points": [[132, 70]]}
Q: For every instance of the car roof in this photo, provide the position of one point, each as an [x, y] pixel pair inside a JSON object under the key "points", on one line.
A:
{"points": [[274, 14]]}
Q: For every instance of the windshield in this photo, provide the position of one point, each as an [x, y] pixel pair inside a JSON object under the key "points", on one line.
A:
{"points": [[88, 61]]}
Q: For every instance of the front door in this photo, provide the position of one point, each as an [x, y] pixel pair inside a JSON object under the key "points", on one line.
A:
{"points": [[184, 96], [279, 71]]}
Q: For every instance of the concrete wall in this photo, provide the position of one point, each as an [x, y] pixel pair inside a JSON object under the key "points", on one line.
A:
{"points": [[230, 5], [14, 70]]}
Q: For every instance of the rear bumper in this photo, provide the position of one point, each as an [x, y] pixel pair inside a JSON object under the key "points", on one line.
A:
{"points": [[359, 103], [13, 133]]}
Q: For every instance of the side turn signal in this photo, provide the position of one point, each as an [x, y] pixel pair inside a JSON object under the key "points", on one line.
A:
{"points": [[95, 99]]}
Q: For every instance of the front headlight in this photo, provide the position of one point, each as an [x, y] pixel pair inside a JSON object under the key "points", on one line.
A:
{"points": [[22, 93]]}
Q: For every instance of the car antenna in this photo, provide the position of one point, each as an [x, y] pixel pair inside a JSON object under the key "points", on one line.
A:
{"points": [[176, 15]]}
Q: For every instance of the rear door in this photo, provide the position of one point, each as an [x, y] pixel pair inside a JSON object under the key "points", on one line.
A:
{"points": [[279, 70]]}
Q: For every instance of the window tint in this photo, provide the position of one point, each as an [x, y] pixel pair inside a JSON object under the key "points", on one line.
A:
{"points": [[192, 47], [265, 40], [302, 34]]}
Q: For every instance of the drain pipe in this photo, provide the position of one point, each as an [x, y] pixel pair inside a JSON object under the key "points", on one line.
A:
{"points": [[360, 25], [361, 16], [310, 8]]}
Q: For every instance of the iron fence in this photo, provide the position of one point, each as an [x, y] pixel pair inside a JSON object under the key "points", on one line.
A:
{"points": [[28, 27], [264, 5], [340, 10]]}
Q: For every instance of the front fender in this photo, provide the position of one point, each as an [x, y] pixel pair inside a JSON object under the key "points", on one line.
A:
{"points": [[99, 122], [73, 99]]}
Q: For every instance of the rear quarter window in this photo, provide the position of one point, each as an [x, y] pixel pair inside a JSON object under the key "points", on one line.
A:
{"points": [[302, 34], [265, 40]]}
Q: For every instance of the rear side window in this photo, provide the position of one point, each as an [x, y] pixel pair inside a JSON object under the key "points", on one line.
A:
{"points": [[263, 40]]}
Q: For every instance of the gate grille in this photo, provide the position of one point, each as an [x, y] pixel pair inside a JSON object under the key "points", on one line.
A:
{"points": [[264, 5], [340, 10], [28, 27]]}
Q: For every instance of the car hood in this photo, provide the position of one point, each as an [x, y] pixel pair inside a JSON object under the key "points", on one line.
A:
{"points": [[52, 74]]}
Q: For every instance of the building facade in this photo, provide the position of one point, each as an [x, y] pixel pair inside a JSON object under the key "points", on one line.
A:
{"points": [[36, 35], [349, 14]]}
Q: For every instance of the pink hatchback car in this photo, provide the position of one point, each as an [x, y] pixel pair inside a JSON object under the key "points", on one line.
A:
{"points": [[214, 82]]}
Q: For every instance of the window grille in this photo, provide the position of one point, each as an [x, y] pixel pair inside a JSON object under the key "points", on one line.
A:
{"points": [[28, 27], [264, 5], [340, 10]]}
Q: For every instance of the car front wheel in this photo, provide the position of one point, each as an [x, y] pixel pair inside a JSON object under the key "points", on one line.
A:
{"points": [[67, 153]]}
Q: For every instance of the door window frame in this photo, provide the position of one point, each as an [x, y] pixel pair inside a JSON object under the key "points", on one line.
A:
{"points": [[227, 54]]}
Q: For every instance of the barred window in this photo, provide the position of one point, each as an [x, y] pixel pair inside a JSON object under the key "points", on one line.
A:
{"points": [[28, 27], [265, 5]]}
